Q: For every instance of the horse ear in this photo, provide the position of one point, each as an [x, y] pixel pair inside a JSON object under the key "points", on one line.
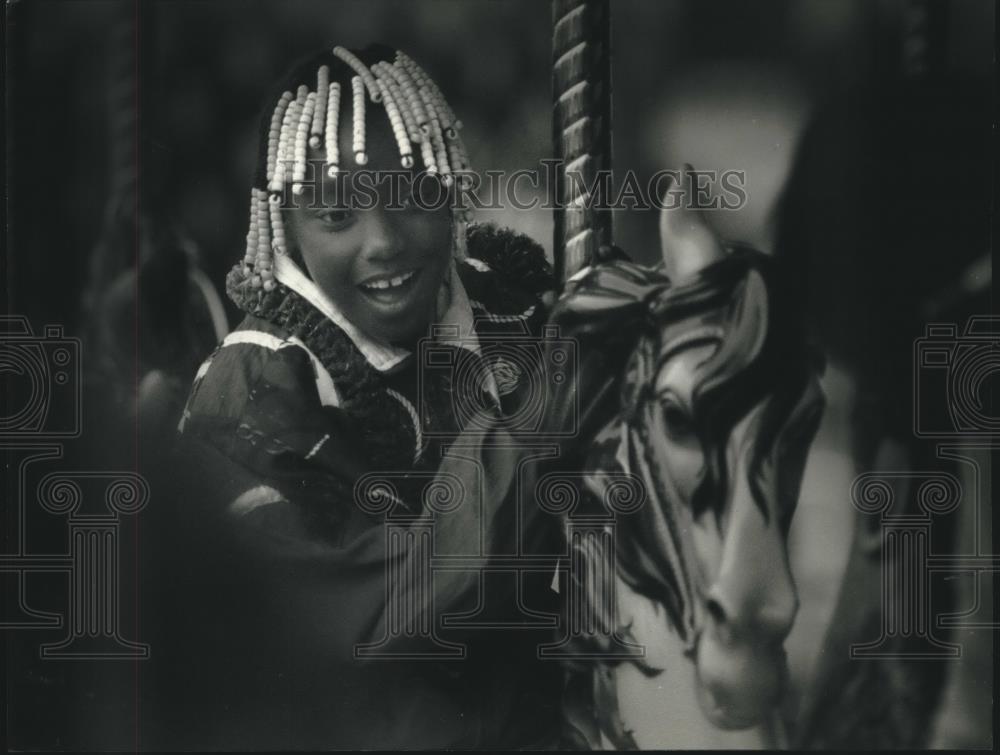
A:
{"points": [[687, 241]]}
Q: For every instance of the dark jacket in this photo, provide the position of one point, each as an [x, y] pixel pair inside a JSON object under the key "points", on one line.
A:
{"points": [[303, 638]]}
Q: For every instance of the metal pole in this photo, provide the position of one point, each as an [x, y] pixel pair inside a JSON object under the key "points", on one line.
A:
{"points": [[581, 130]]}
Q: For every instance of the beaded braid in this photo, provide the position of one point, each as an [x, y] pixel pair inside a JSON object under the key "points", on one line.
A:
{"points": [[332, 126], [412, 96], [388, 75], [302, 143], [451, 124], [358, 144], [322, 92], [361, 70], [440, 153], [274, 133]]}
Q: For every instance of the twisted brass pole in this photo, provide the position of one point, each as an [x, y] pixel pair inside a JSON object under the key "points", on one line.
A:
{"points": [[581, 128]]}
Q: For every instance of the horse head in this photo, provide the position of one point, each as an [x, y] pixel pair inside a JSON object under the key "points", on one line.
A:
{"points": [[716, 408]]}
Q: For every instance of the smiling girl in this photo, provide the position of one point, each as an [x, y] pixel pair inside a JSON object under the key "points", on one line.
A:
{"points": [[322, 383]]}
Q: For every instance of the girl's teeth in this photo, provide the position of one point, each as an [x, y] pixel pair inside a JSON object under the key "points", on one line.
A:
{"points": [[391, 282]]}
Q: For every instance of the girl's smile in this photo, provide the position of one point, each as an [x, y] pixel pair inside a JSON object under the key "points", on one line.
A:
{"points": [[391, 294]]}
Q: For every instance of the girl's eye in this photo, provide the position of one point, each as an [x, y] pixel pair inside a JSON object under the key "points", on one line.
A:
{"points": [[336, 218]]}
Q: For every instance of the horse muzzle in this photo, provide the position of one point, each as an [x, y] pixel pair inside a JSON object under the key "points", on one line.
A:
{"points": [[738, 683]]}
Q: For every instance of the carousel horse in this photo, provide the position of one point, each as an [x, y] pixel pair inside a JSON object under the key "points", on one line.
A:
{"points": [[712, 415]]}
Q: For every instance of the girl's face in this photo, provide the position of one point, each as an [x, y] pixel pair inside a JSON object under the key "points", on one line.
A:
{"points": [[383, 266]]}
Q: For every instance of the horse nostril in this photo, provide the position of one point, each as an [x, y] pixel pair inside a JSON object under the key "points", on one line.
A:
{"points": [[768, 618], [716, 611]]}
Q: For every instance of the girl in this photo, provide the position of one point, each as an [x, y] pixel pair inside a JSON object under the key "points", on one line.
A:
{"points": [[328, 380]]}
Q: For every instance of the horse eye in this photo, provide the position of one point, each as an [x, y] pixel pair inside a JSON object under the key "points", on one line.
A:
{"points": [[678, 422]]}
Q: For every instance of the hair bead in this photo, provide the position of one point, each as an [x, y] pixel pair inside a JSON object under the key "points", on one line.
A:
{"points": [[360, 69], [332, 128], [302, 143], [286, 140], [405, 112], [358, 145], [423, 80], [427, 155], [433, 95], [421, 100], [395, 120], [252, 232], [448, 122], [264, 240], [274, 132], [440, 152], [454, 156], [319, 114], [410, 98], [278, 228], [386, 76]]}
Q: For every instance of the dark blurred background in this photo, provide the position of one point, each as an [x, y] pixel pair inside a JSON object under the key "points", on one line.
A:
{"points": [[864, 128]]}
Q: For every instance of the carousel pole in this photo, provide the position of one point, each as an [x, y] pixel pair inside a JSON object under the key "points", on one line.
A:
{"points": [[581, 136], [581, 129]]}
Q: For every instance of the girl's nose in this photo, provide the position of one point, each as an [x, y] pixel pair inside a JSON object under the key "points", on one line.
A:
{"points": [[383, 235]]}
